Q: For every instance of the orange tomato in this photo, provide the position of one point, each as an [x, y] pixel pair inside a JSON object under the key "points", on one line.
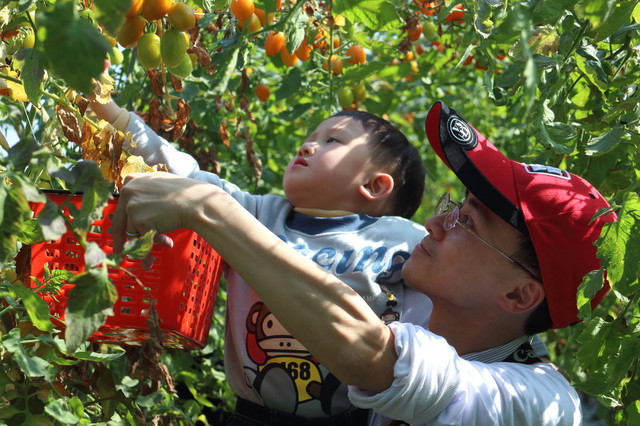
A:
{"points": [[356, 55], [468, 60], [262, 92], [254, 24], [131, 31], [455, 15], [199, 13], [303, 52], [408, 56], [336, 65], [136, 7], [320, 42], [274, 43], [415, 32], [260, 13], [242, 9], [288, 59], [152, 10]]}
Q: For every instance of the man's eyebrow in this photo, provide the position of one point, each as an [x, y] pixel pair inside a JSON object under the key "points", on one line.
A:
{"points": [[475, 204]]}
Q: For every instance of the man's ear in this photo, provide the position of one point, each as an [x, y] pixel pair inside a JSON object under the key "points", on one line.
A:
{"points": [[524, 297], [378, 187]]}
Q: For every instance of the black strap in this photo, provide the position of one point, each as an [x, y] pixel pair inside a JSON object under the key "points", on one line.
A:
{"points": [[254, 414]]}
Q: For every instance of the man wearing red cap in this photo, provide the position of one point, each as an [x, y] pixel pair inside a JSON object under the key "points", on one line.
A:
{"points": [[503, 265]]}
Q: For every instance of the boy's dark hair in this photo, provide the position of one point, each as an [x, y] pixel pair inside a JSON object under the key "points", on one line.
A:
{"points": [[402, 161], [540, 318]]}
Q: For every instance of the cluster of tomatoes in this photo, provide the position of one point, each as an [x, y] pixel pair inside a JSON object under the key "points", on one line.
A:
{"points": [[254, 19], [418, 26], [169, 48], [18, 34]]}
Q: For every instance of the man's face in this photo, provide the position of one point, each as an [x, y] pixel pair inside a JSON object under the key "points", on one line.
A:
{"points": [[330, 165], [455, 268]]}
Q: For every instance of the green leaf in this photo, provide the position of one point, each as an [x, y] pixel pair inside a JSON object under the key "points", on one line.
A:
{"points": [[620, 16], [31, 366], [633, 413], [74, 48], [591, 284], [84, 176], [290, 85], [606, 142], [295, 31], [37, 309], [596, 11], [59, 410], [619, 247], [31, 232], [226, 65], [111, 13], [33, 76], [375, 14], [97, 356], [89, 304], [138, 248], [21, 153], [51, 221], [594, 72]]}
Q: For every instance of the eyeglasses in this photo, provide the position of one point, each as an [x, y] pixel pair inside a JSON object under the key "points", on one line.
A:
{"points": [[452, 209]]}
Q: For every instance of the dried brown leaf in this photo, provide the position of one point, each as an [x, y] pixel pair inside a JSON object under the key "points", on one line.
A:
{"points": [[155, 114], [156, 82], [182, 117], [69, 123], [224, 134], [176, 83]]}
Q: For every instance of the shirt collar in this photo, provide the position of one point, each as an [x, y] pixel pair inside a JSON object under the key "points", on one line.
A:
{"points": [[499, 353], [321, 213]]}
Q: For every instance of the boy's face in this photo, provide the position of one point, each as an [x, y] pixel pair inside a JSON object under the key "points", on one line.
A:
{"points": [[330, 166]]}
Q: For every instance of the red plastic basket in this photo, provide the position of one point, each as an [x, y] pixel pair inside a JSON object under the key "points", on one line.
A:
{"points": [[182, 283]]}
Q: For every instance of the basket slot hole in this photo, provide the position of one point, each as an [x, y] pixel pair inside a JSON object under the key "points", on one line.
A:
{"points": [[96, 229], [72, 254], [71, 267], [127, 299], [124, 310], [128, 286], [71, 240], [145, 300]]}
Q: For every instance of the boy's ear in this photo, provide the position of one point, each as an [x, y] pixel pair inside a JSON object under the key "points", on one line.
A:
{"points": [[378, 187], [526, 296]]}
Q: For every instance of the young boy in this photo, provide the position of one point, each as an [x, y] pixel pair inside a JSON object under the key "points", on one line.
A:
{"points": [[350, 190]]}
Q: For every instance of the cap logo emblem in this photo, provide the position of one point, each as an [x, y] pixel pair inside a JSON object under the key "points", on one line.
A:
{"points": [[462, 133], [538, 169]]}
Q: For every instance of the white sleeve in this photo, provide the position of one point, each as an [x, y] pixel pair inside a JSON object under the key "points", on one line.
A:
{"points": [[433, 385], [156, 150]]}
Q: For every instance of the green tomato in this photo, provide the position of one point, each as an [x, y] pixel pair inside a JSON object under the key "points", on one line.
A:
{"points": [[183, 70], [115, 56], [173, 47], [149, 51], [429, 30], [345, 97], [359, 92], [29, 41]]}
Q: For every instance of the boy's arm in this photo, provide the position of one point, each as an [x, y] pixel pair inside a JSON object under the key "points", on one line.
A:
{"points": [[156, 150]]}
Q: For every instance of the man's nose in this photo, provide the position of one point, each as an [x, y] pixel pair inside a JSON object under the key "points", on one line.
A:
{"points": [[435, 226]]}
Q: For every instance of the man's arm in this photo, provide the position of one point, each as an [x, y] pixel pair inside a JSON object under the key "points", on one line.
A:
{"points": [[333, 322]]}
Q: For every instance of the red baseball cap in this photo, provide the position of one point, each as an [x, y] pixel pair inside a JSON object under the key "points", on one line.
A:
{"points": [[553, 207]]}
